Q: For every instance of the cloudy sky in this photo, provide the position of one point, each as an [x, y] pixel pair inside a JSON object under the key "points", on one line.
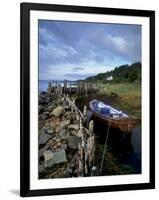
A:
{"points": [[76, 50]]}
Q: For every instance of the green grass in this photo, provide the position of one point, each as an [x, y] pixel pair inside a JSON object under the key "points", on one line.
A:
{"points": [[128, 97], [120, 88]]}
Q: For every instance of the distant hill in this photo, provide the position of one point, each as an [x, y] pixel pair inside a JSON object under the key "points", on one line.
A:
{"points": [[124, 73]]}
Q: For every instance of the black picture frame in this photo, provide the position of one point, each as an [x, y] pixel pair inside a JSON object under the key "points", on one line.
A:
{"points": [[25, 9]]}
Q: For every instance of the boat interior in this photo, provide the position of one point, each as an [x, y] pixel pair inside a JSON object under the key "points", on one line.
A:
{"points": [[106, 110]]}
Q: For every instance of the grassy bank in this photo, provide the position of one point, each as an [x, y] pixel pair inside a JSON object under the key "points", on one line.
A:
{"points": [[128, 97], [122, 89]]}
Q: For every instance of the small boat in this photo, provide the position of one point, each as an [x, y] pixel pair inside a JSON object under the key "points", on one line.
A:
{"points": [[112, 116]]}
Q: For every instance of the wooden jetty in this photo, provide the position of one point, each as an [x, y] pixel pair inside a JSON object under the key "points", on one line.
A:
{"points": [[72, 87]]}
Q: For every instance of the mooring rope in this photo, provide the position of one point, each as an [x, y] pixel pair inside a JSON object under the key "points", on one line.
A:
{"points": [[105, 146]]}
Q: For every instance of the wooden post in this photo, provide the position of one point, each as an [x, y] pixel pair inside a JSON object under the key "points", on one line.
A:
{"points": [[81, 126], [85, 112], [59, 89], [72, 105], [65, 86], [82, 133], [49, 87], [91, 125], [86, 157], [80, 164], [91, 150], [68, 100], [73, 101]]}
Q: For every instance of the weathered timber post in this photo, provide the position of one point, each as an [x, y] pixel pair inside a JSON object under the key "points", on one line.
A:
{"points": [[68, 100], [78, 88], [49, 88], [80, 163], [86, 89], [73, 105], [69, 88], [65, 86], [91, 126], [59, 89], [81, 131], [91, 145], [85, 158], [85, 112], [55, 88], [90, 150]]}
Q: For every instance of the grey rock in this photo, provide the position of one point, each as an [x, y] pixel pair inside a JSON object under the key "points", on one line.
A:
{"points": [[40, 124], [76, 133], [41, 151], [43, 116], [41, 131], [48, 100], [64, 134], [41, 168], [57, 129], [43, 138], [64, 146], [46, 113], [62, 99], [74, 126], [50, 108], [69, 115], [65, 103], [52, 158], [58, 111], [64, 123], [67, 108], [59, 102], [41, 108], [41, 100], [49, 131], [73, 142]]}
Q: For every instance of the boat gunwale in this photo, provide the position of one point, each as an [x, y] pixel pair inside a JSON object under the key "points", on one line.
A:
{"points": [[114, 119]]}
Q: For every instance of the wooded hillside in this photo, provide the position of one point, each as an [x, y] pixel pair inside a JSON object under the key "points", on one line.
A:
{"points": [[124, 73]]}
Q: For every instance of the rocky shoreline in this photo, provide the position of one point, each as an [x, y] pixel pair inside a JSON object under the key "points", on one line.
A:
{"points": [[64, 143]]}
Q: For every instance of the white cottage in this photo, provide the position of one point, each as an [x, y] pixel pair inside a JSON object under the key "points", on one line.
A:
{"points": [[109, 78]]}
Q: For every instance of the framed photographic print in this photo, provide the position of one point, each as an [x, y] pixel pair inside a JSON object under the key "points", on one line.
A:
{"points": [[87, 99]]}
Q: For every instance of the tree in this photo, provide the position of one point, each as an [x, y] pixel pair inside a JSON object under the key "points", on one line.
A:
{"points": [[133, 75]]}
